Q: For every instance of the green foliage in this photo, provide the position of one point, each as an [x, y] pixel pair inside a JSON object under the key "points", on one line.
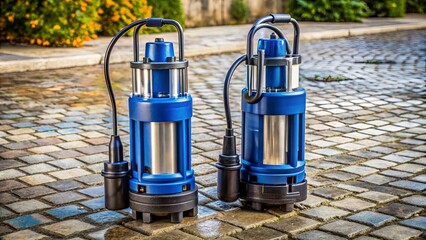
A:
{"points": [[387, 8], [239, 11], [170, 9], [116, 14], [329, 10], [49, 22], [416, 6]]}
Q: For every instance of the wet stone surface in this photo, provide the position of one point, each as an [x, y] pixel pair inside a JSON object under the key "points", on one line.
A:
{"points": [[365, 151]]}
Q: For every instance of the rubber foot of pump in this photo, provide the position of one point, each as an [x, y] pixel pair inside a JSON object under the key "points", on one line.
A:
{"points": [[176, 217], [148, 207], [260, 196], [193, 212], [287, 207], [257, 206]]}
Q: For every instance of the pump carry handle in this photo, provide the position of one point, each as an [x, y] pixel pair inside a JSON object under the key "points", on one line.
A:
{"points": [[280, 18], [157, 22]]}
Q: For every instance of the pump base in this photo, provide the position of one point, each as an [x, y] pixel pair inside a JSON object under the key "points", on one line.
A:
{"points": [[146, 207], [259, 196]]}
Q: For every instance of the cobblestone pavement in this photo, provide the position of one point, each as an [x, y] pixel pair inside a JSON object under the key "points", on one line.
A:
{"points": [[365, 138]]}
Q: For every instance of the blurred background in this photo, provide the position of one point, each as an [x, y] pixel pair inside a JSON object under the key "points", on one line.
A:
{"points": [[73, 22]]}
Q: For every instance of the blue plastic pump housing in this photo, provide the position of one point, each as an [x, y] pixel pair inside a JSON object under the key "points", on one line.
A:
{"points": [[274, 102], [160, 181], [271, 171], [160, 108]]}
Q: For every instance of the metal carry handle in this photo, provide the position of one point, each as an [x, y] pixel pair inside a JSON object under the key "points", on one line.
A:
{"points": [[261, 59], [158, 22], [276, 18], [252, 33]]}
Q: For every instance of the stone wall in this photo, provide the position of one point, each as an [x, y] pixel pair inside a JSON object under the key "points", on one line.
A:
{"points": [[216, 12]]}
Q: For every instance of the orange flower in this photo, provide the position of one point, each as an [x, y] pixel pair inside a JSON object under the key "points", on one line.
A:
{"points": [[46, 43], [39, 41], [83, 6], [34, 23], [100, 11], [32, 41], [115, 17], [10, 18], [109, 3]]}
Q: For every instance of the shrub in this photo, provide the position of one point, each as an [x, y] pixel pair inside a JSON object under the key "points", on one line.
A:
{"points": [[239, 10], [387, 8], [170, 9], [329, 10], [49, 22], [116, 14], [416, 6]]}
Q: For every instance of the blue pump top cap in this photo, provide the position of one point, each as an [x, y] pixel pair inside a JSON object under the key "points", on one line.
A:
{"points": [[159, 50], [274, 47]]}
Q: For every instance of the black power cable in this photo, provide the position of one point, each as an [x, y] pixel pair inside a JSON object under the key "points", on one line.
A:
{"points": [[106, 71], [226, 91]]}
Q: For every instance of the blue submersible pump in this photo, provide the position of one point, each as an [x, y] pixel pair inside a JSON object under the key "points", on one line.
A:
{"points": [[272, 167], [160, 181]]}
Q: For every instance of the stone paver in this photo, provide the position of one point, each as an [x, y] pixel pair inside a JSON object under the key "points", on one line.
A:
{"points": [[294, 225], [212, 229], [396, 232], [418, 222], [68, 227], [352, 204], [37, 179], [66, 211], [410, 185], [27, 206], [377, 197], [400, 210], [331, 193], [27, 221], [255, 233], [345, 228], [320, 235], [365, 148], [417, 200], [105, 217], [247, 219], [119, 232], [371, 218], [64, 197], [70, 173], [325, 213], [24, 234]]}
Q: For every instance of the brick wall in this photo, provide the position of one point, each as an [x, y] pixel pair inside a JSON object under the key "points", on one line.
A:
{"points": [[216, 12]]}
